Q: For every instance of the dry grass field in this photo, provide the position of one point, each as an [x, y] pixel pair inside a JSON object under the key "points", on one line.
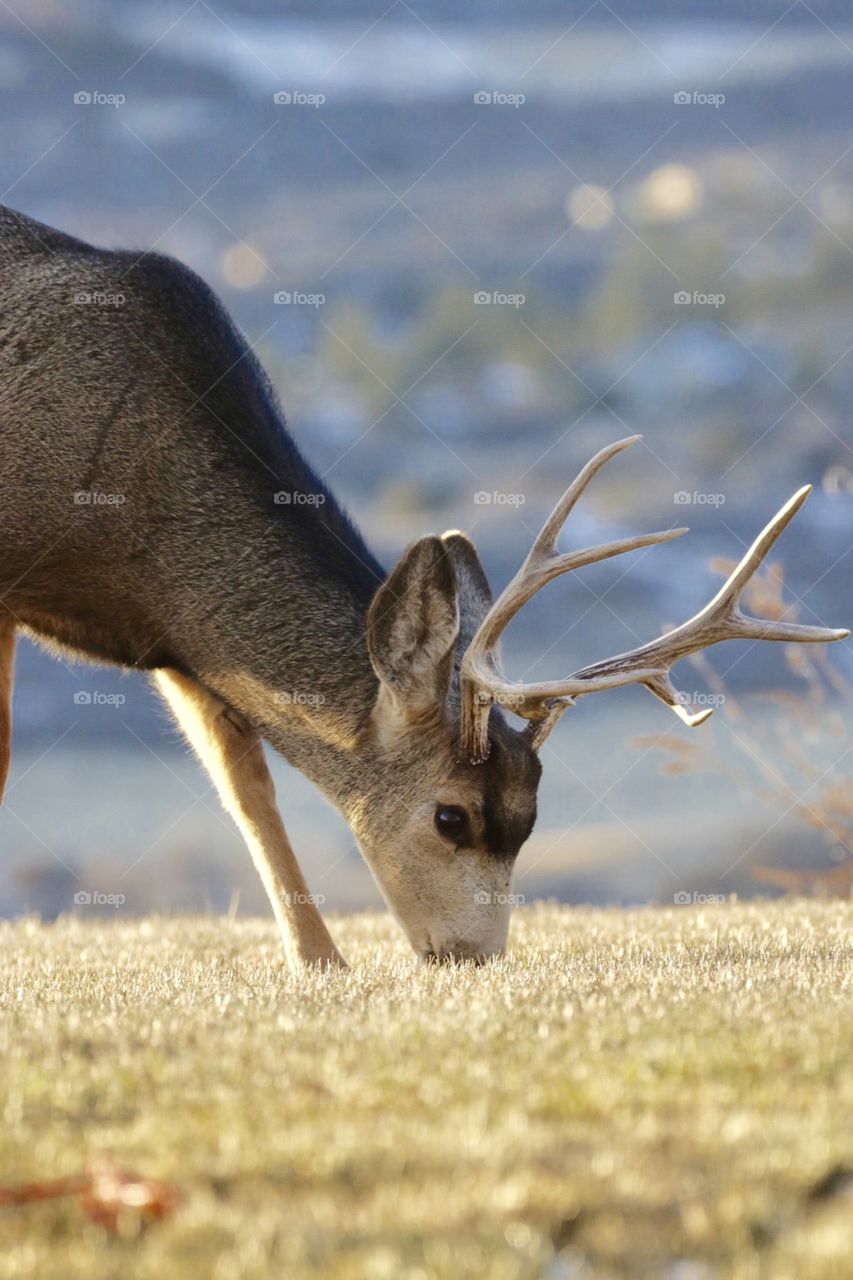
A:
{"points": [[646, 1093]]}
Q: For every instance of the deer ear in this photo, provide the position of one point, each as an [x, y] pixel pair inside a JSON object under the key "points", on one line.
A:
{"points": [[473, 590], [412, 626]]}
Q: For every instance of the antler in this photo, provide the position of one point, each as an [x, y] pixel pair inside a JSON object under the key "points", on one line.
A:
{"points": [[483, 683]]}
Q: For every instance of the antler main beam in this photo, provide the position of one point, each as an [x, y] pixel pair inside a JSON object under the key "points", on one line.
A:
{"points": [[483, 683]]}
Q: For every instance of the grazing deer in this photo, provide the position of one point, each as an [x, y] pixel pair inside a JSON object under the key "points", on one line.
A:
{"points": [[143, 461]]}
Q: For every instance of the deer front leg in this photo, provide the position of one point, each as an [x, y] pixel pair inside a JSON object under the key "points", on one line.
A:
{"points": [[232, 753]]}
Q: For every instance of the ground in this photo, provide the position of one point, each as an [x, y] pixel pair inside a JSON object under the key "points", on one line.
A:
{"points": [[643, 1093]]}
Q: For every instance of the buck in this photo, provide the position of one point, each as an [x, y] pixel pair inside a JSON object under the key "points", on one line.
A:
{"points": [[144, 475]]}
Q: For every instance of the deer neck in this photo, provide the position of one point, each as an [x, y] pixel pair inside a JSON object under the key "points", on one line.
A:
{"points": [[296, 664]]}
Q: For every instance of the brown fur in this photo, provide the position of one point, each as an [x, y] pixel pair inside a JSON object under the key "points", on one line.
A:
{"points": [[141, 452]]}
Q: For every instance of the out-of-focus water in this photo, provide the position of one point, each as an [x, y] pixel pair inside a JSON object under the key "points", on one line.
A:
{"points": [[399, 61]]}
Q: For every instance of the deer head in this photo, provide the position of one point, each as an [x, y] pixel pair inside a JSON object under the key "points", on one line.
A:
{"points": [[453, 796]]}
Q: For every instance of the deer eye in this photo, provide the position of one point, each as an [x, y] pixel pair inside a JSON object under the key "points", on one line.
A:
{"points": [[451, 822]]}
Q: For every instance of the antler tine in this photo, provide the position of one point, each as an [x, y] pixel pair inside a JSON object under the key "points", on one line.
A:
{"points": [[732, 589], [546, 542], [480, 676]]}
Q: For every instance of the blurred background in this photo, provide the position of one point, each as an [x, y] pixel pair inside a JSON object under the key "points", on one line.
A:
{"points": [[474, 242]]}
